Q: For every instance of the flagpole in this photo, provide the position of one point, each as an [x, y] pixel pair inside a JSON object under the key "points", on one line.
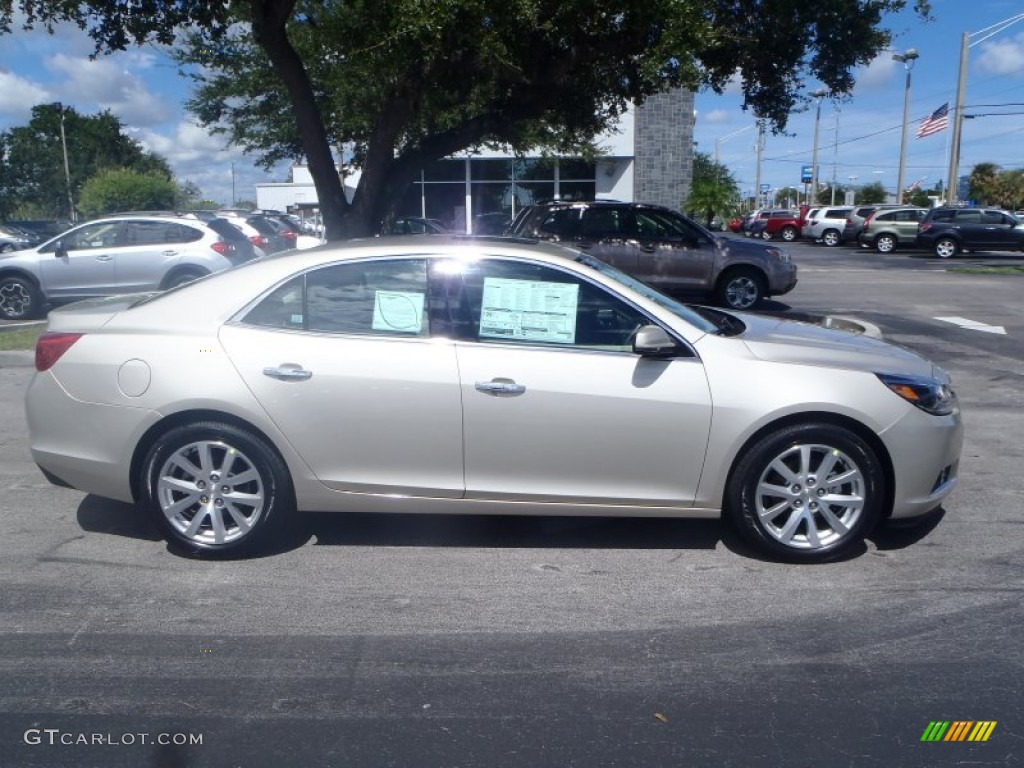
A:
{"points": [[953, 187]]}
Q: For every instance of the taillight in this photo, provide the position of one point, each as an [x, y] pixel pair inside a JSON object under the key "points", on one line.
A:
{"points": [[924, 226], [224, 249], [258, 240], [50, 347], [289, 235]]}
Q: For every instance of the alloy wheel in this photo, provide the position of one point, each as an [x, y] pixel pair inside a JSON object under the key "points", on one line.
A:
{"points": [[810, 496]]}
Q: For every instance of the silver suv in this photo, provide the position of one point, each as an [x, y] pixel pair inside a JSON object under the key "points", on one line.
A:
{"points": [[664, 249], [826, 224], [117, 254]]}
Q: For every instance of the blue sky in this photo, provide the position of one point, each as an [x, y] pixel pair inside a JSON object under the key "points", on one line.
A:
{"points": [[869, 122], [143, 88]]}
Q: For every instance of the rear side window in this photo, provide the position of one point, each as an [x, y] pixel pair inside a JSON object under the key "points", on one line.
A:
{"points": [[227, 231], [383, 298], [159, 233], [606, 222], [942, 216], [836, 213], [558, 222], [968, 217]]}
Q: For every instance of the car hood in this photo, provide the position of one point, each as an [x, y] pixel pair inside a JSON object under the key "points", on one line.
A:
{"points": [[739, 246], [788, 341]]}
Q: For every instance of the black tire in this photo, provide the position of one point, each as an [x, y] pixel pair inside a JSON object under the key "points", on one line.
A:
{"points": [[741, 289], [789, 234], [831, 238], [766, 235], [885, 243], [946, 247], [20, 298], [264, 499], [801, 530], [185, 276]]}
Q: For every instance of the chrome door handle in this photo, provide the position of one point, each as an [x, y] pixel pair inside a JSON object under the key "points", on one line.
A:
{"points": [[500, 387], [104, 257], [288, 372], [170, 253]]}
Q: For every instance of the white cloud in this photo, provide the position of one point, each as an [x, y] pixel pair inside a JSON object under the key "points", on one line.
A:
{"points": [[17, 97], [108, 84], [718, 116], [1002, 57], [878, 73]]}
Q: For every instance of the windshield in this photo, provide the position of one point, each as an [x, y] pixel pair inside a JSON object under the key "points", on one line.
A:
{"points": [[673, 306]]}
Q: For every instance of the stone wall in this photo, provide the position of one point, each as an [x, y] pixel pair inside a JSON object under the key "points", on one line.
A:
{"points": [[663, 149]]}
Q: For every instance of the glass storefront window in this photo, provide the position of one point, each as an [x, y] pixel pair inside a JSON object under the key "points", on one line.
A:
{"points": [[576, 190], [446, 170], [490, 170], [574, 169]]}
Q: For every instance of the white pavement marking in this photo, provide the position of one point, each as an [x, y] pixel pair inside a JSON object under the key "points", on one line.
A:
{"points": [[973, 325]]}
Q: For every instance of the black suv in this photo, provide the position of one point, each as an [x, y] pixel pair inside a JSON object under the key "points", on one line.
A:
{"points": [[947, 231], [664, 249]]}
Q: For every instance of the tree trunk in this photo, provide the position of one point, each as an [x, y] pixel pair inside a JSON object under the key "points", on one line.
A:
{"points": [[269, 26]]}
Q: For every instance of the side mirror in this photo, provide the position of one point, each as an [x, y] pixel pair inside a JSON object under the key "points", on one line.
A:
{"points": [[654, 341], [60, 250]]}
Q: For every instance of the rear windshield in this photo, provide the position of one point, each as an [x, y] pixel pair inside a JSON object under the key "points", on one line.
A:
{"points": [[227, 230]]}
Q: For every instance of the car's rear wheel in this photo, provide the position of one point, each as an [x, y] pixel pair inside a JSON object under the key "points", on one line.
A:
{"points": [[20, 299], [741, 289], [885, 243], [216, 489], [789, 234], [830, 237], [185, 276], [946, 247], [806, 493]]}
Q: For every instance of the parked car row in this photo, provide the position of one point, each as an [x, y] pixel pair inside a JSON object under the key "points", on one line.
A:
{"points": [[946, 231]]}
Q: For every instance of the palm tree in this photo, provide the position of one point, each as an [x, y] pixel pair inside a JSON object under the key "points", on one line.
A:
{"points": [[983, 181]]}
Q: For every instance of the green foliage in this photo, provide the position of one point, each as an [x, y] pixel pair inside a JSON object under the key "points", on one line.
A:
{"points": [[919, 197], [713, 191], [121, 189], [32, 167], [406, 82], [872, 193]]}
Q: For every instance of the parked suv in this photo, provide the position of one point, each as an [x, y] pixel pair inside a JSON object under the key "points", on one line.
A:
{"points": [[855, 220], [664, 249], [826, 224], [947, 231], [783, 224], [118, 254], [885, 229]]}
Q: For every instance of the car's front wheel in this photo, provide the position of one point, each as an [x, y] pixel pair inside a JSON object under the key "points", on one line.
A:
{"points": [[806, 493], [946, 247], [789, 234], [885, 243], [216, 489], [20, 299], [741, 289], [830, 237]]}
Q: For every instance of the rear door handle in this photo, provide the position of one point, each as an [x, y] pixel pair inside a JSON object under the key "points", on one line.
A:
{"points": [[170, 253], [288, 372], [104, 257], [497, 387]]}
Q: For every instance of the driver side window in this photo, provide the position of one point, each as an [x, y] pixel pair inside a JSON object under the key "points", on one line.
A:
{"points": [[93, 236], [511, 302]]}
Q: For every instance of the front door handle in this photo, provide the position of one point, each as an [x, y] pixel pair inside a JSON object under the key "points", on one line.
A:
{"points": [[104, 257], [288, 372], [500, 387]]}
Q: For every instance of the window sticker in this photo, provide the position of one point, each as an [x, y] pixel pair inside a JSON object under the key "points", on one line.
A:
{"points": [[398, 311], [529, 310]]}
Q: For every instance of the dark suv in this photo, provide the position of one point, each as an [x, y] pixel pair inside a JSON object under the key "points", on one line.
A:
{"points": [[664, 249], [947, 231]]}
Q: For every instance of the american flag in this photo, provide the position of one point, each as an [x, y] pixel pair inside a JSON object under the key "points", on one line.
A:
{"points": [[937, 121]]}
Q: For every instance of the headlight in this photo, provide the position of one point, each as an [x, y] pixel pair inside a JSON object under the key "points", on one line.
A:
{"points": [[779, 254], [929, 395]]}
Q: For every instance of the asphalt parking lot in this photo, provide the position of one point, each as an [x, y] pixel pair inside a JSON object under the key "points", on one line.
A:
{"points": [[446, 641]]}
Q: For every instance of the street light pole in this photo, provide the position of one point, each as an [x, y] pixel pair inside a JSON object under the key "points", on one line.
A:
{"points": [[819, 95], [67, 170], [907, 58]]}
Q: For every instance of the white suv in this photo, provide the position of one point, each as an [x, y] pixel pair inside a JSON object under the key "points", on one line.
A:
{"points": [[826, 224], [126, 253]]}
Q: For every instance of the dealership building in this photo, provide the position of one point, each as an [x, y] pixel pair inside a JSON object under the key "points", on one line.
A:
{"points": [[648, 158]]}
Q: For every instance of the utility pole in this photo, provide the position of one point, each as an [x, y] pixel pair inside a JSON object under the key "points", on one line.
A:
{"points": [[907, 58], [67, 169], [819, 95]]}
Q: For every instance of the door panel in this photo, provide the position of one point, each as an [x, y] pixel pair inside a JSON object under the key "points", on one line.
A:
{"points": [[586, 426], [379, 415], [87, 269]]}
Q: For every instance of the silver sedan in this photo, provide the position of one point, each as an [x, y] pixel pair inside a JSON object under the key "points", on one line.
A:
{"points": [[483, 377]]}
